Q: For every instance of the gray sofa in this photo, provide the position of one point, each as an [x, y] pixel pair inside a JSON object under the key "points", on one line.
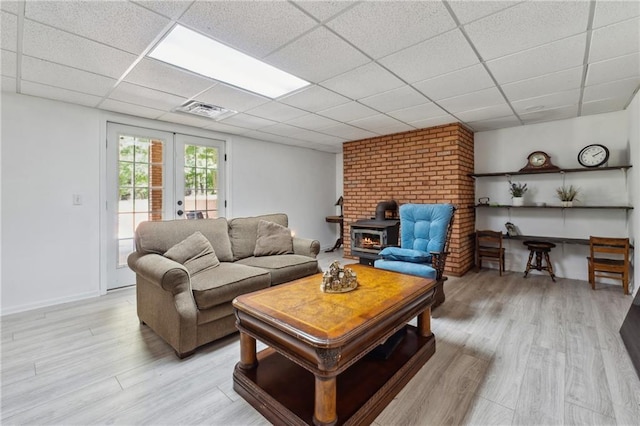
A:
{"points": [[190, 310]]}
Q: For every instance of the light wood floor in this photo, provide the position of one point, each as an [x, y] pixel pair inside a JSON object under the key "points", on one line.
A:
{"points": [[509, 351]]}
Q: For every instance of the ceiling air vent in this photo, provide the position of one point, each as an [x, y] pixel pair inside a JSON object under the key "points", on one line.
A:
{"points": [[210, 111]]}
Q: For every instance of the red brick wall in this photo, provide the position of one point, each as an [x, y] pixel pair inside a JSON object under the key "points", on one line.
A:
{"points": [[155, 181], [421, 166]]}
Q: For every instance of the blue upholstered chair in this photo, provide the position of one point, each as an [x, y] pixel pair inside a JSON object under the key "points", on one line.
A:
{"points": [[425, 230]]}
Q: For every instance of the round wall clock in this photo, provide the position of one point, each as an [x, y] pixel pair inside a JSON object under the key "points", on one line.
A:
{"points": [[538, 160], [593, 155]]}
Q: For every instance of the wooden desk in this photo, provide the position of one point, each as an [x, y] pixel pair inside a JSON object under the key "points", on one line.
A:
{"points": [[340, 220], [314, 337]]}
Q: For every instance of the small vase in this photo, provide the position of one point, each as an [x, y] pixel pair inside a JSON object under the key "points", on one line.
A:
{"points": [[567, 204], [517, 201]]}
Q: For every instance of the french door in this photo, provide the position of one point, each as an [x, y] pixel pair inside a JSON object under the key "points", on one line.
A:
{"points": [[156, 175]]}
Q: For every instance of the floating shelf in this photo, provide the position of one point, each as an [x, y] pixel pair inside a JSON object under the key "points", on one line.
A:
{"points": [[540, 172], [508, 206]]}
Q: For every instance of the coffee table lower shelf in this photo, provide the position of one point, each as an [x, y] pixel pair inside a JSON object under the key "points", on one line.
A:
{"points": [[283, 392]]}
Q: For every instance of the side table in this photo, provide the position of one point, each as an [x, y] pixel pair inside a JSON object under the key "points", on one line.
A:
{"points": [[340, 220]]}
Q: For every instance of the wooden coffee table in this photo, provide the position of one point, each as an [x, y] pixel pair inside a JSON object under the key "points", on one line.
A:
{"points": [[319, 367]]}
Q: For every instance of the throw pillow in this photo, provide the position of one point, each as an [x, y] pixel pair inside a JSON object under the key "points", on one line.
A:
{"points": [[273, 239], [195, 253], [405, 255]]}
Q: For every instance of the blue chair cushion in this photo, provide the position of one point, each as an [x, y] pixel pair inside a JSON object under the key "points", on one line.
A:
{"points": [[420, 269], [405, 255], [424, 226]]}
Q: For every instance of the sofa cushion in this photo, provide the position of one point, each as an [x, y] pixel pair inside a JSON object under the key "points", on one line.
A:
{"points": [[229, 280], [420, 269], [195, 253], [273, 239], [284, 267], [405, 255], [159, 236], [243, 233]]}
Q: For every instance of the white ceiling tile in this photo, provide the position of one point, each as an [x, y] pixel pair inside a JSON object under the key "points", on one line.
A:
{"points": [[225, 128], [613, 69], [432, 57], [614, 89], [9, 62], [395, 99], [401, 23], [247, 121], [456, 83], [473, 100], [348, 132], [314, 98], [43, 91], [124, 25], [367, 80], [551, 101], [527, 25], [53, 45], [318, 137], [281, 129], [276, 111], [170, 9], [381, 124], [416, 113], [550, 115], [8, 31], [256, 28], [615, 40], [8, 84], [348, 112], [186, 119], [317, 56], [434, 121], [496, 123], [609, 12], [552, 57], [545, 84], [468, 11], [12, 6], [139, 95], [324, 10], [57, 75], [231, 98], [486, 113], [130, 109], [160, 76], [604, 105], [312, 122]]}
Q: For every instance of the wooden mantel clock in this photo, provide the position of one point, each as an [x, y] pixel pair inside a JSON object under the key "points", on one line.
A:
{"points": [[538, 161]]}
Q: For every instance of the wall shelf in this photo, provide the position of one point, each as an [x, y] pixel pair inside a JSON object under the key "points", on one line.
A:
{"points": [[507, 206], [582, 169], [560, 240]]}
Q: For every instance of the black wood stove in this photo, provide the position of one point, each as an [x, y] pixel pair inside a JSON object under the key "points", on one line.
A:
{"points": [[369, 236]]}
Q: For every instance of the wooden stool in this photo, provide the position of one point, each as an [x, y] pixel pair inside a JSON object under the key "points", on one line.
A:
{"points": [[539, 248]]}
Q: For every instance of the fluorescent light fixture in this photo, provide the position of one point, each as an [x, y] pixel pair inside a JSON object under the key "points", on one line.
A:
{"points": [[190, 50]]}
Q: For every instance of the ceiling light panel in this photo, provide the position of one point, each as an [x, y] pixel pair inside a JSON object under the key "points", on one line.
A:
{"points": [[192, 51]]}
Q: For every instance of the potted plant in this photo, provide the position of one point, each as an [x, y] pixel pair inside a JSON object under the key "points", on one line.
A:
{"points": [[517, 190], [567, 195]]}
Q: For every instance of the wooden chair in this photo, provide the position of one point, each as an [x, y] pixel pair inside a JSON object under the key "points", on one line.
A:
{"points": [[609, 258], [489, 245]]}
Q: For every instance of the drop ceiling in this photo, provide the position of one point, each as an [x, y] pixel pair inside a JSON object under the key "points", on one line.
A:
{"points": [[375, 68]]}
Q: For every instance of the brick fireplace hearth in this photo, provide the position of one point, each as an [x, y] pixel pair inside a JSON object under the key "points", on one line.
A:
{"points": [[421, 166]]}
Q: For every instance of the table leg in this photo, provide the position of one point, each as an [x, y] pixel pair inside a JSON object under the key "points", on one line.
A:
{"points": [[324, 410], [424, 322], [248, 359]]}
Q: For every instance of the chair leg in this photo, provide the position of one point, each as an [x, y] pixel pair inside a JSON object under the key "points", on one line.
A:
{"points": [[625, 282], [592, 278]]}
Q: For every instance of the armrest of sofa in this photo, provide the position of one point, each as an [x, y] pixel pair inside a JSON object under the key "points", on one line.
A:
{"points": [[306, 247], [162, 271]]}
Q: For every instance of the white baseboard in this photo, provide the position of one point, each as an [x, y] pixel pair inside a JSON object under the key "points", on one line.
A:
{"points": [[46, 303]]}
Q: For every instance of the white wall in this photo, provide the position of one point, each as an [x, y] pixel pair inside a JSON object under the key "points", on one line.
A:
{"points": [[507, 149], [633, 112], [50, 150]]}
